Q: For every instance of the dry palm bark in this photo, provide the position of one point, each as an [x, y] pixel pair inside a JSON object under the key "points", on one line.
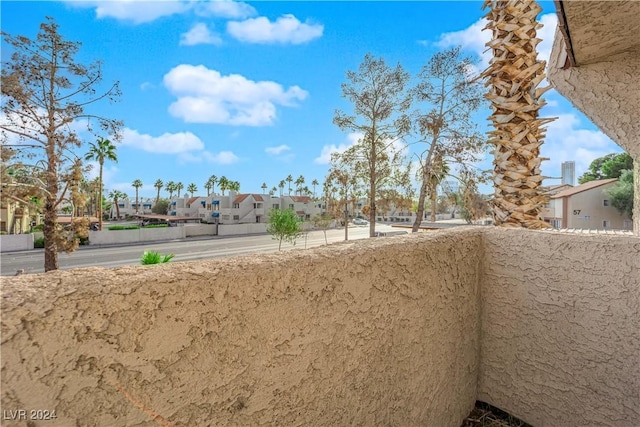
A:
{"points": [[513, 76]]}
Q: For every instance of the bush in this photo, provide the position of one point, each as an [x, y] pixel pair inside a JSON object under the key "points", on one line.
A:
{"points": [[124, 227], [38, 243], [39, 227], [161, 208], [156, 226], [152, 257]]}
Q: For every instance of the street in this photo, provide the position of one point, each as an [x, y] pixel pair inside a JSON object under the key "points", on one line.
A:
{"points": [[184, 250]]}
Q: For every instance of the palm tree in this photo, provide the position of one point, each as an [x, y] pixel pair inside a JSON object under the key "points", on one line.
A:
{"points": [[208, 185], [192, 188], [116, 195], [513, 75], [234, 186], [223, 183], [264, 188], [289, 179], [299, 183], [102, 150], [137, 184], [273, 191], [213, 179], [314, 183], [170, 187], [179, 186], [281, 186], [158, 184]]}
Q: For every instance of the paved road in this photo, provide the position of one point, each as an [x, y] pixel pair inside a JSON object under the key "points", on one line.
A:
{"points": [[184, 250]]}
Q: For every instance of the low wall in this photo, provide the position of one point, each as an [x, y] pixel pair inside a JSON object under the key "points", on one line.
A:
{"points": [[16, 242], [110, 237], [561, 328], [315, 337], [235, 229], [192, 230]]}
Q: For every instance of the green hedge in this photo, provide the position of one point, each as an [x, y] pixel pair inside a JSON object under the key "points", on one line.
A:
{"points": [[38, 243], [156, 226], [124, 227]]}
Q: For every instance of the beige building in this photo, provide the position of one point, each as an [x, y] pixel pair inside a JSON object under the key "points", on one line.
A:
{"points": [[586, 206]]}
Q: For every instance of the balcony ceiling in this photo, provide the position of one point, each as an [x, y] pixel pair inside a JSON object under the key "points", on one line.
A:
{"points": [[602, 30]]}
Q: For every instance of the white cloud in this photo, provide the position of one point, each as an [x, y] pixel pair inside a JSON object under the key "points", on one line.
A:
{"points": [[206, 96], [473, 39], [328, 150], [134, 11], [286, 29], [142, 11], [566, 141], [277, 150], [221, 158], [225, 9], [167, 143], [199, 34]]}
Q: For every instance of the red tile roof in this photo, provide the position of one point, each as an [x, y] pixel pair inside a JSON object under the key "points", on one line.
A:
{"points": [[258, 198], [240, 198], [301, 199], [191, 200], [583, 187]]}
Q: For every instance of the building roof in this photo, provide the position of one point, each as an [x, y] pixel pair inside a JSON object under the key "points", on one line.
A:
{"points": [[583, 187], [301, 199], [258, 198], [191, 200], [555, 189], [240, 198]]}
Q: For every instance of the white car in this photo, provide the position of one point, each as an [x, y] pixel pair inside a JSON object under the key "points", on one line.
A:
{"points": [[360, 221]]}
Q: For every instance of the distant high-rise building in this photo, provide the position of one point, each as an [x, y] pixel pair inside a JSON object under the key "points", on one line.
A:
{"points": [[569, 173]]}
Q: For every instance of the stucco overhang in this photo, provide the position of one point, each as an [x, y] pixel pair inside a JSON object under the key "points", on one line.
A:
{"points": [[596, 31]]}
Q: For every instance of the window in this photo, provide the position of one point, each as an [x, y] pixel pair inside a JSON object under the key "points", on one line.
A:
{"points": [[257, 206], [276, 206], [236, 217], [236, 206], [606, 223], [605, 202], [291, 206], [225, 217], [587, 218]]}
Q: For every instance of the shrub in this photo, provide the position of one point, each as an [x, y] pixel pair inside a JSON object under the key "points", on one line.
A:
{"points": [[156, 226], [38, 243], [152, 257], [124, 227]]}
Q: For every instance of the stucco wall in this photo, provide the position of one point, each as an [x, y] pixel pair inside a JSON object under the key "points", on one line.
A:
{"points": [[110, 237], [16, 242], [606, 92], [236, 229], [378, 332], [199, 230], [561, 328]]}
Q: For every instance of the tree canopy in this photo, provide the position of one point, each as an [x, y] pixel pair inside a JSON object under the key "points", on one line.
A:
{"points": [[605, 167], [284, 225], [621, 193]]}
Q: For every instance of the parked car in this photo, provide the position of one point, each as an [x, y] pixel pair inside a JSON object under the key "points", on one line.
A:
{"points": [[360, 221]]}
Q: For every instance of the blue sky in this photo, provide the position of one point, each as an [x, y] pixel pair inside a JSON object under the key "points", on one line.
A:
{"points": [[249, 90]]}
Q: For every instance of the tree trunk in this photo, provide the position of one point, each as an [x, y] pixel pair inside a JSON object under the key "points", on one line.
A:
{"points": [[434, 195], [636, 197], [420, 211], [117, 209], [513, 76], [346, 222], [50, 214]]}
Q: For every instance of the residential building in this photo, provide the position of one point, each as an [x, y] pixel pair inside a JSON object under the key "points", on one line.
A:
{"points": [[16, 218], [127, 207], [586, 206]]}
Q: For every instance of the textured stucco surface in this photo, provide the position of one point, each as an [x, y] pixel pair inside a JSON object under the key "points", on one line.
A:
{"points": [[602, 29], [380, 332], [607, 92], [561, 328]]}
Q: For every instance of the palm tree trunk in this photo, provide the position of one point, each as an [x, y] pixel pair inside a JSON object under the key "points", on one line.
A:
{"points": [[99, 202], [433, 203], [513, 75]]}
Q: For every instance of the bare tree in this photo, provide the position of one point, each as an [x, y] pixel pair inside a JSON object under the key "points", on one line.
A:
{"points": [[44, 92], [343, 177], [445, 124], [380, 100]]}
